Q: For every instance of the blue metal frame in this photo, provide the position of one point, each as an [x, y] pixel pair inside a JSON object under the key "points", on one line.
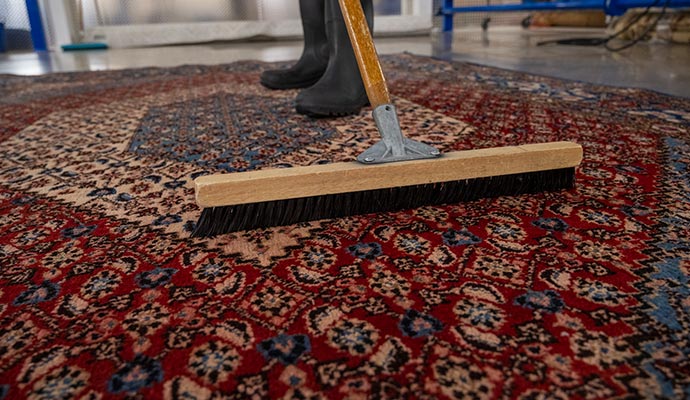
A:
{"points": [[3, 38], [611, 7], [38, 36]]}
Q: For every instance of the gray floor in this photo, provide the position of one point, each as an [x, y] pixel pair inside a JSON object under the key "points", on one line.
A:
{"points": [[653, 65]]}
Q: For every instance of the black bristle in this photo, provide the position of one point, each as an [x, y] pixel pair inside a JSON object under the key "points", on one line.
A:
{"points": [[219, 220]]}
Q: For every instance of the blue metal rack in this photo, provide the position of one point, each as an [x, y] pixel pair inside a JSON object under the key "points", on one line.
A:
{"points": [[611, 7], [38, 35]]}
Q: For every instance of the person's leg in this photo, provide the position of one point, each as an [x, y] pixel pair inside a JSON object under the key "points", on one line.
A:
{"points": [[312, 64], [340, 90]]}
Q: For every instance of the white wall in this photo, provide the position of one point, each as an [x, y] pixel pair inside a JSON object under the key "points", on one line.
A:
{"points": [[13, 14], [137, 23], [275, 10]]}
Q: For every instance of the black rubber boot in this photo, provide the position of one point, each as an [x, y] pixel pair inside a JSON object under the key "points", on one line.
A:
{"points": [[340, 90], [314, 60]]}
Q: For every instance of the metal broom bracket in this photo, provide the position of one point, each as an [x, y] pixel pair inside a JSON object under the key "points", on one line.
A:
{"points": [[394, 146]]}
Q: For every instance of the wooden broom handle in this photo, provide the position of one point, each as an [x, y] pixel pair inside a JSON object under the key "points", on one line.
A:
{"points": [[365, 52]]}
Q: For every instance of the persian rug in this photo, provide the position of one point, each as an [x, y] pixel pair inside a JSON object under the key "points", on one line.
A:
{"points": [[574, 294]]}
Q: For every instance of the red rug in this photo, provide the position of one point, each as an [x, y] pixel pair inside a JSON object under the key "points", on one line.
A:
{"points": [[576, 294]]}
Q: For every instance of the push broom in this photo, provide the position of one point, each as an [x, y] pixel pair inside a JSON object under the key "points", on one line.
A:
{"points": [[396, 173]]}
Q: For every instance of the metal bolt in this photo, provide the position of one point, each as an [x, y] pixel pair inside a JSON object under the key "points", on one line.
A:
{"points": [[435, 152], [368, 159]]}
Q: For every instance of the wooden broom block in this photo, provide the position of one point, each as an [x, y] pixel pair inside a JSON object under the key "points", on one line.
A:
{"points": [[289, 183]]}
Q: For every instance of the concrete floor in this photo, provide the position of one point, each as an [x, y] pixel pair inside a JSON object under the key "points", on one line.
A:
{"points": [[656, 65], [653, 65]]}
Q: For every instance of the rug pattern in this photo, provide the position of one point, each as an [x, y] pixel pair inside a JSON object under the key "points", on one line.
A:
{"points": [[576, 294]]}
